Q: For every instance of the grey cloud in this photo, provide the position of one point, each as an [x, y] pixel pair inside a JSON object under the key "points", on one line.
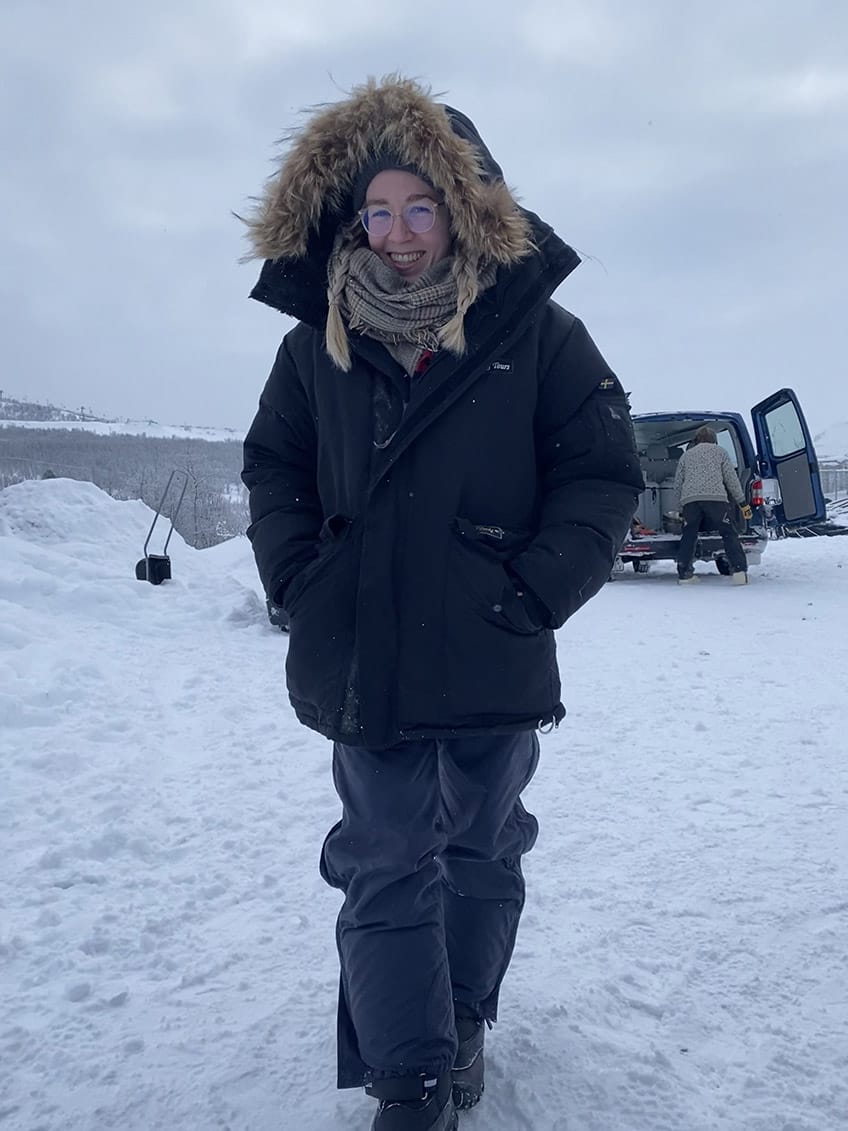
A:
{"points": [[696, 156]]}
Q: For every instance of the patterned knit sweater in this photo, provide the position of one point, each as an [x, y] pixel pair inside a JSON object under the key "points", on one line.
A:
{"points": [[705, 474]]}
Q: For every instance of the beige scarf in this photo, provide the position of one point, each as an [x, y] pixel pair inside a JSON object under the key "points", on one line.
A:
{"points": [[407, 317]]}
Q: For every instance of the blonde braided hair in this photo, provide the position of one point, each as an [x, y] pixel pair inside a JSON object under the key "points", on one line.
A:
{"points": [[467, 279], [347, 241]]}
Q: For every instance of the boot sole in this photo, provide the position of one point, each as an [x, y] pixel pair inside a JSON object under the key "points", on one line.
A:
{"points": [[464, 1098]]}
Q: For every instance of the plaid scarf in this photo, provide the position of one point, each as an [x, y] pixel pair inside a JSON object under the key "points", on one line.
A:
{"points": [[405, 316]]}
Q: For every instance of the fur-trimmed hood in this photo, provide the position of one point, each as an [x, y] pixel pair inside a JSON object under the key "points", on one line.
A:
{"points": [[309, 196], [294, 225]]}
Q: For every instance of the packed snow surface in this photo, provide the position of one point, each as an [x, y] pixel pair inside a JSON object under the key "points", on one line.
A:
{"points": [[166, 943]]}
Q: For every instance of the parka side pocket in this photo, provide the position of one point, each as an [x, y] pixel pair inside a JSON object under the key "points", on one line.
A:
{"points": [[333, 533]]}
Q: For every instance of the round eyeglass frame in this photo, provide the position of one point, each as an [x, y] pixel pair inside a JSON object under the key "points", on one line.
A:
{"points": [[434, 204]]}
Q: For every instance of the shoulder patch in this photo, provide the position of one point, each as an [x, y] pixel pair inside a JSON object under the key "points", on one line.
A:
{"points": [[611, 386]]}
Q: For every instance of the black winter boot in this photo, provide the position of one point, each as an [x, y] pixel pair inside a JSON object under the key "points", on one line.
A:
{"points": [[414, 1103], [467, 1072]]}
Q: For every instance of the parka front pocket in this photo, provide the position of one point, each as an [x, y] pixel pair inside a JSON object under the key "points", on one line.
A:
{"points": [[482, 552], [333, 534], [499, 665]]}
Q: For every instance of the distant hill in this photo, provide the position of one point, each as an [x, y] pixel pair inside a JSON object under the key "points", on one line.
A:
{"points": [[832, 444], [17, 410], [30, 414]]}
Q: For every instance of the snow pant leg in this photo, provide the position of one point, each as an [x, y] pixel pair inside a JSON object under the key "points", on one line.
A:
{"points": [[692, 520], [721, 519], [395, 1004], [488, 831]]}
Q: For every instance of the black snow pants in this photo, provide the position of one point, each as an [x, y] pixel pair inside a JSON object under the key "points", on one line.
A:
{"points": [[706, 515], [428, 853]]}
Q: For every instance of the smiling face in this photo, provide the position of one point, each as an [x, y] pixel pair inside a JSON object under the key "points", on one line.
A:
{"points": [[410, 254]]}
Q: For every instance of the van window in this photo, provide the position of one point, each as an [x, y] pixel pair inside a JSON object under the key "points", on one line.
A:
{"points": [[784, 429], [726, 441]]}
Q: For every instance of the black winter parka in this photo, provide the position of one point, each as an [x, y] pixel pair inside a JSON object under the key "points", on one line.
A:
{"points": [[390, 556]]}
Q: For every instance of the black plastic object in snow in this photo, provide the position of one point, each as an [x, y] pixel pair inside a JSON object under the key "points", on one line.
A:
{"points": [[156, 568]]}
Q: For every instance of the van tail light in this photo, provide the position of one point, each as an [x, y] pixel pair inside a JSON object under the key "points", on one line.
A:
{"points": [[757, 499]]}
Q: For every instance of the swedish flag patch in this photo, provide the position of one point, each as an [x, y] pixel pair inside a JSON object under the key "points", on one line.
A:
{"points": [[611, 385]]}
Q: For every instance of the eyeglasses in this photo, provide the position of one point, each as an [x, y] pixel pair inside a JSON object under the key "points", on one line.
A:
{"points": [[377, 220]]}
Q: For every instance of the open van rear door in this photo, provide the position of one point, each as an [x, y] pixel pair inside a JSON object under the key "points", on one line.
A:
{"points": [[786, 453]]}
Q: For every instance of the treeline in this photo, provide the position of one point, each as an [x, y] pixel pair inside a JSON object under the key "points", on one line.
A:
{"points": [[137, 467]]}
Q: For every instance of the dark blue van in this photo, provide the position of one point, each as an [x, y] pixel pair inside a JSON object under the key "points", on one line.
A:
{"points": [[778, 471]]}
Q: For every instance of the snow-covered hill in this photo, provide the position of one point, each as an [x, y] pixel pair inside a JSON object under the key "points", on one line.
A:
{"points": [[131, 428], [832, 444], [166, 943], [26, 414], [13, 409]]}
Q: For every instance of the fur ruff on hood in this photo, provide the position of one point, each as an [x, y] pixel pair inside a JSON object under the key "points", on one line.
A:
{"points": [[319, 170], [308, 210]]}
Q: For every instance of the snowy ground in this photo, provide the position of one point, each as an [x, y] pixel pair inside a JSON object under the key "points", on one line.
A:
{"points": [[166, 944]]}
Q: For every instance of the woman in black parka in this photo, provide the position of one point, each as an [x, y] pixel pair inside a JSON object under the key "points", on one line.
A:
{"points": [[441, 470]]}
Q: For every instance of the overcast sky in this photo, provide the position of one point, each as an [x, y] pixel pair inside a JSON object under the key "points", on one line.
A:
{"points": [[695, 154]]}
